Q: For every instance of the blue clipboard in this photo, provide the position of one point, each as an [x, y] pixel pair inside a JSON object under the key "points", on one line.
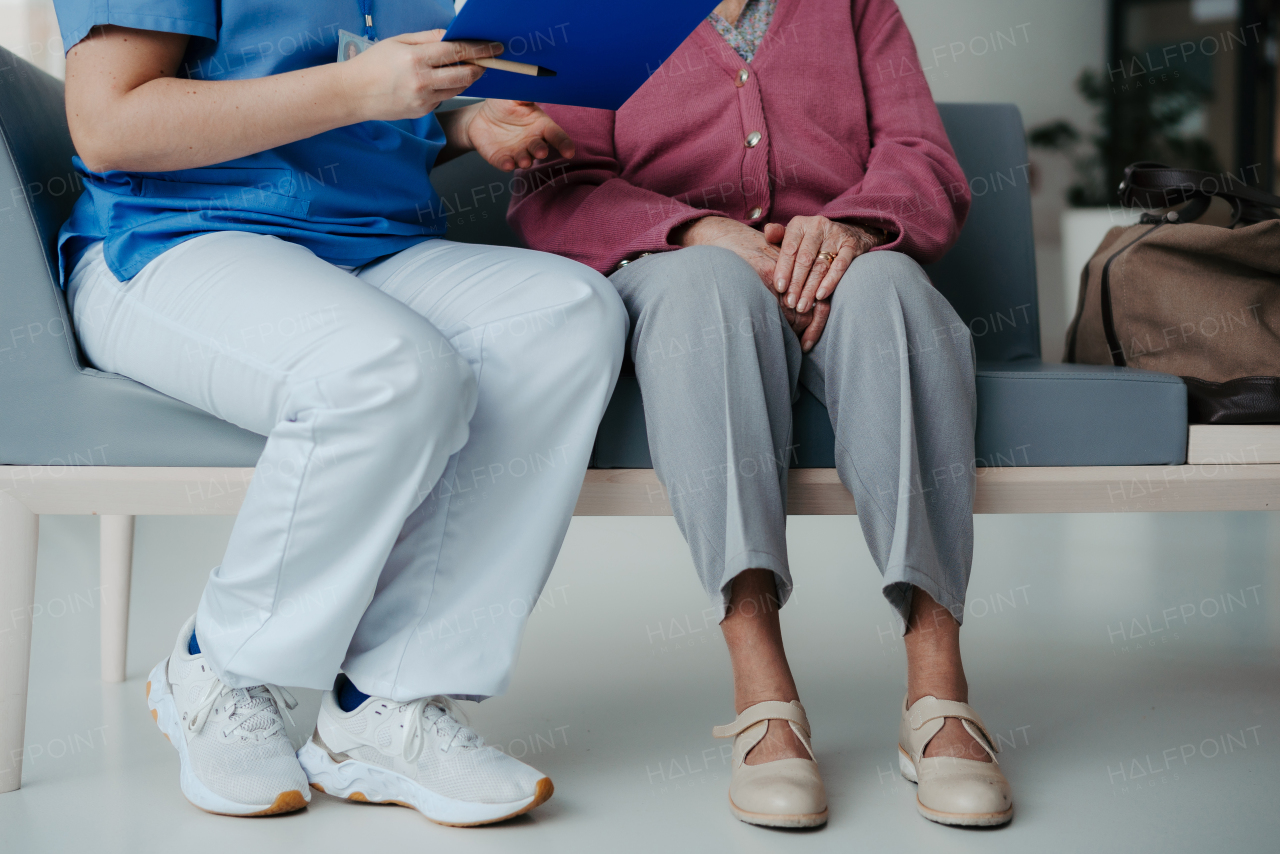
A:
{"points": [[601, 51]]}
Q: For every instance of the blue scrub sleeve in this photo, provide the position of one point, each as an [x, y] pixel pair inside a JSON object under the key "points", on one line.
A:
{"points": [[193, 17]]}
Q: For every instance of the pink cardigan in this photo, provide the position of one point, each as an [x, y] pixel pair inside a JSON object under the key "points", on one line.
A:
{"points": [[846, 127]]}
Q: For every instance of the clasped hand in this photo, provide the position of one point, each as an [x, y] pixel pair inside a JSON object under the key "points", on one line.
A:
{"points": [[802, 262]]}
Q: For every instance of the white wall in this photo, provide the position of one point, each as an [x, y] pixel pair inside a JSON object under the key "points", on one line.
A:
{"points": [[29, 28], [1052, 42], [1055, 40]]}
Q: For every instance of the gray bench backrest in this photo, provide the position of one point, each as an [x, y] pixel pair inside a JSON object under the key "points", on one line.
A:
{"points": [[990, 274], [53, 410], [37, 190]]}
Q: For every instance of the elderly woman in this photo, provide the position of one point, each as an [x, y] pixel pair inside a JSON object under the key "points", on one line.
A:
{"points": [[763, 205]]}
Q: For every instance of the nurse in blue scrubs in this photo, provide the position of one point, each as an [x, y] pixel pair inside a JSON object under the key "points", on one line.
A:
{"points": [[259, 237]]}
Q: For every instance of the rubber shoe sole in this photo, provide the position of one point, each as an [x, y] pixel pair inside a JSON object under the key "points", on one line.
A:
{"points": [[955, 819], [362, 782], [165, 714], [817, 819]]}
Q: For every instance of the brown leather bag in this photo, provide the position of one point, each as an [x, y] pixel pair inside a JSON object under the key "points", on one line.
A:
{"points": [[1185, 298]]}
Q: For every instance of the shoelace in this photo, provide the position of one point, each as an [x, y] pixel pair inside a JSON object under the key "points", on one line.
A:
{"points": [[442, 714], [261, 703]]}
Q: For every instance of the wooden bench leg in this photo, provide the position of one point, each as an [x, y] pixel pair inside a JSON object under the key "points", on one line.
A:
{"points": [[115, 555], [19, 534]]}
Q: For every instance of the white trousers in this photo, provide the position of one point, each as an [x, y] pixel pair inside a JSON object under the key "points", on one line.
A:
{"points": [[429, 419]]}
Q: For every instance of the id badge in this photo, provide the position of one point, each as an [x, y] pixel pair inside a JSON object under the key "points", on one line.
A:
{"points": [[351, 45]]}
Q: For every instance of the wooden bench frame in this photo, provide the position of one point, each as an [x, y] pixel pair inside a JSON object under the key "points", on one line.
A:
{"points": [[1228, 468]]}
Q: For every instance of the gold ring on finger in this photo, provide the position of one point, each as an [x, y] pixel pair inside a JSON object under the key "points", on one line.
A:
{"points": [[826, 256]]}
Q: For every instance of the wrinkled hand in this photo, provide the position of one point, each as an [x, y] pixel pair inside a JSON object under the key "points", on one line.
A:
{"points": [[512, 133], [743, 240], [751, 246], [809, 325], [802, 278]]}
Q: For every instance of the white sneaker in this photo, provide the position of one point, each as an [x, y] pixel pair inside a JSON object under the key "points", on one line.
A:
{"points": [[418, 755], [235, 754]]}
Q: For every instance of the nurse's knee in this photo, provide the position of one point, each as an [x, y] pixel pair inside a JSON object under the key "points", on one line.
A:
{"points": [[439, 379], [409, 382], [586, 319], [597, 322]]}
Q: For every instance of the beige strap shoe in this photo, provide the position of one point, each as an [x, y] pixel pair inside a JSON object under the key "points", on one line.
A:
{"points": [[782, 793], [951, 790]]}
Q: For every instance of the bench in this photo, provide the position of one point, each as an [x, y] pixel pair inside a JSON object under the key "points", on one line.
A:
{"points": [[74, 440]]}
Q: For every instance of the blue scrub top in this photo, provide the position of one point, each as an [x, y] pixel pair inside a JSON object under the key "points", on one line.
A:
{"points": [[350, 195]]}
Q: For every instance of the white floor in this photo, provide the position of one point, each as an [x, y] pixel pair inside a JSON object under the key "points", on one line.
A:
{"points": [[1129, 664]]}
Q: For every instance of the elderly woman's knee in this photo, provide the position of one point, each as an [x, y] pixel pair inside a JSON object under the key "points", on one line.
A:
{"points": [[886, 294], [889, 268], [705, 278], [883, 281]]}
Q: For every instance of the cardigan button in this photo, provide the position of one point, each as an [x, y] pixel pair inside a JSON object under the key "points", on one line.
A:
{"points": [[741, 79], [625, 261], [753, 139], [754, 213]]}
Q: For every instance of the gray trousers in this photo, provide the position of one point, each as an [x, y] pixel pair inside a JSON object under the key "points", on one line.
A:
{"points": [[718, 368]]}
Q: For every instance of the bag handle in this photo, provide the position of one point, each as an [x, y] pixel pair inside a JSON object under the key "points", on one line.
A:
{"points": [[1155, 185]]}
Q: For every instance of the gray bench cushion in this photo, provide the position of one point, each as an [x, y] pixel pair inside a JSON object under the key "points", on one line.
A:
{"points": [[1079, 415], [1029, 414]]}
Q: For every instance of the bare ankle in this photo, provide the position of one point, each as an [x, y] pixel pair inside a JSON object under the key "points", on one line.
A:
{"points": [[753, 597], [934, 666], [753, 635]]}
